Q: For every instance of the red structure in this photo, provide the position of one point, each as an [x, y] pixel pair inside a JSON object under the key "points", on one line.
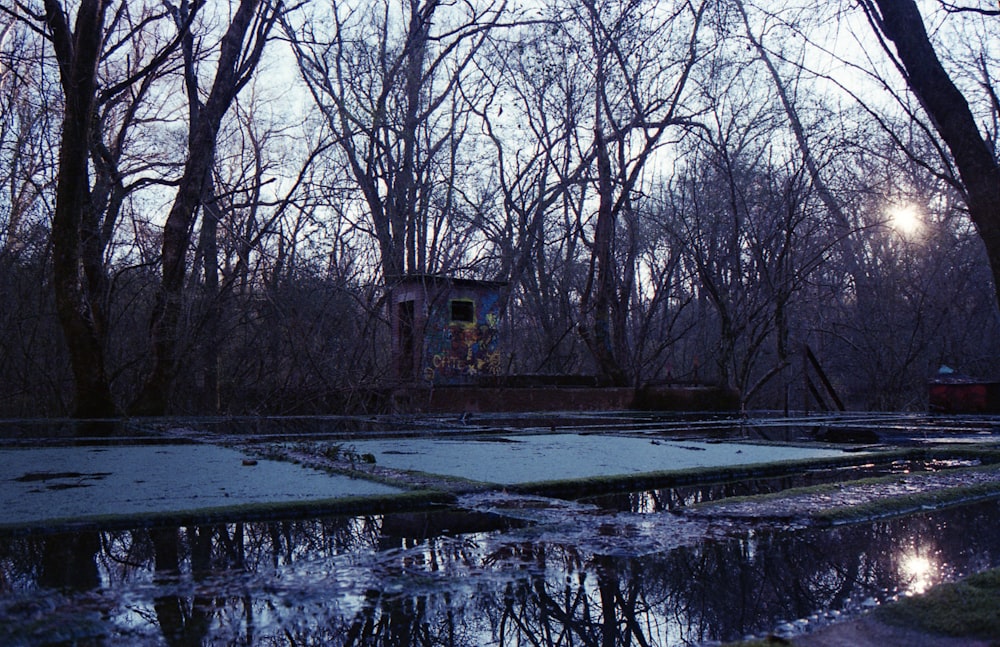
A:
{"points": [[951, 392]]}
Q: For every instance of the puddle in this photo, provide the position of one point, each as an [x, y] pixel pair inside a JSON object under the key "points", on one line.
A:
{"points": [[507, 570], [496, 568]]}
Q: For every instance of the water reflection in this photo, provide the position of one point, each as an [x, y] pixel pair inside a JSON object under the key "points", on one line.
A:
{"points": [[456, 579], [920, 571]]}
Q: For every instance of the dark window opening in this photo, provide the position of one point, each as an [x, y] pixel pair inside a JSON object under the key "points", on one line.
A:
{"points": [[463, 311]]}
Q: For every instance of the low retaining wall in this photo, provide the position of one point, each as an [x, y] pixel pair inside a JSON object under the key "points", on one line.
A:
{"points": [[477, 399]]}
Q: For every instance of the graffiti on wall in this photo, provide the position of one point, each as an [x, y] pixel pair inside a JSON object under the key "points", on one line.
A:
{"points": [[462, 342]]}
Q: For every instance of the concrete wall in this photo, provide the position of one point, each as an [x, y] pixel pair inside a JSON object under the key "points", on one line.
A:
{"points": [[478, 399]]}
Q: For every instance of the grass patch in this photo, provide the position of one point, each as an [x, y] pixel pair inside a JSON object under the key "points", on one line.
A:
{"points": [[966, 609]]}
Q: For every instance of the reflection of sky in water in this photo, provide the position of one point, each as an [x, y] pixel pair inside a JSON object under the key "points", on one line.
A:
{"points": [[313, 580]]}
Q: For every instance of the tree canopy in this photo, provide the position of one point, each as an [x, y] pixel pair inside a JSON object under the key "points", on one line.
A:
{"points": [[207, 202]]}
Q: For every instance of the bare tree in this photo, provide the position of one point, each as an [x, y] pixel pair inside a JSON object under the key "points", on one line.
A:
{"points": [[240, 51], [928, 300], [596, 89], [109, 62], [84, 212], [638, 96], [28, 108], [78, 52], [32, 372], [393, 81], [978, 172], [531, 115], [844, 230]]}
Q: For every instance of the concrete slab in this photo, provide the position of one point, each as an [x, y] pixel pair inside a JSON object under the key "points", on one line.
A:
{"points": [[45, 485], [59, 486], [553, 457]]}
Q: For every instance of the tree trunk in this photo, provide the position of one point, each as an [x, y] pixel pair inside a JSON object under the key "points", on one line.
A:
{"points": [[900, 22], [234, 66], [596, 313], [78, 55]]}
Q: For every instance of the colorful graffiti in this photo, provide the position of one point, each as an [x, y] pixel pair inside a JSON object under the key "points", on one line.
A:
{"points": [[460, 351]]}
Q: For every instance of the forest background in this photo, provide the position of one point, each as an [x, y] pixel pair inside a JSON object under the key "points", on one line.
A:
{"points": [[204, 203]]}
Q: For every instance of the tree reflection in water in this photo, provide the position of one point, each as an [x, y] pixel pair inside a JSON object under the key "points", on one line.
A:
{"points": [[456, 579]]}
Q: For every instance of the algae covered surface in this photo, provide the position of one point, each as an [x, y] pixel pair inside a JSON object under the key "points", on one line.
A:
{"points": [[45, 484], [67, 484], [564, 456]]}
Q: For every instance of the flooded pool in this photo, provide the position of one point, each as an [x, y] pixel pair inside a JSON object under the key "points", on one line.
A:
{"points": [[503, 564], [537, 572]]}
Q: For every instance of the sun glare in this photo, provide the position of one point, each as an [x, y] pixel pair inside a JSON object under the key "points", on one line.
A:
{"points": [[905, 218], [920, 572]]}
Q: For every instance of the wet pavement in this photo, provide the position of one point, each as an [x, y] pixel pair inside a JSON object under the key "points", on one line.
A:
{"points": [[677, 561]]}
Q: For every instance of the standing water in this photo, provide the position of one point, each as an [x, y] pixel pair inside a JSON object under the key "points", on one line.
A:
{"points": [[573, 575]]}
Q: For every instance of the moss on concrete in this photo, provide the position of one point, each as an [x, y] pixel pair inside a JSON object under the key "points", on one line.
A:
{"points": [[935, 496], [986, 455], [696, 475]]}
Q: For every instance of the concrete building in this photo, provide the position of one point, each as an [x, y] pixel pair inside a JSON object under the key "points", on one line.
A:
{"points": [[445, 331]]}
